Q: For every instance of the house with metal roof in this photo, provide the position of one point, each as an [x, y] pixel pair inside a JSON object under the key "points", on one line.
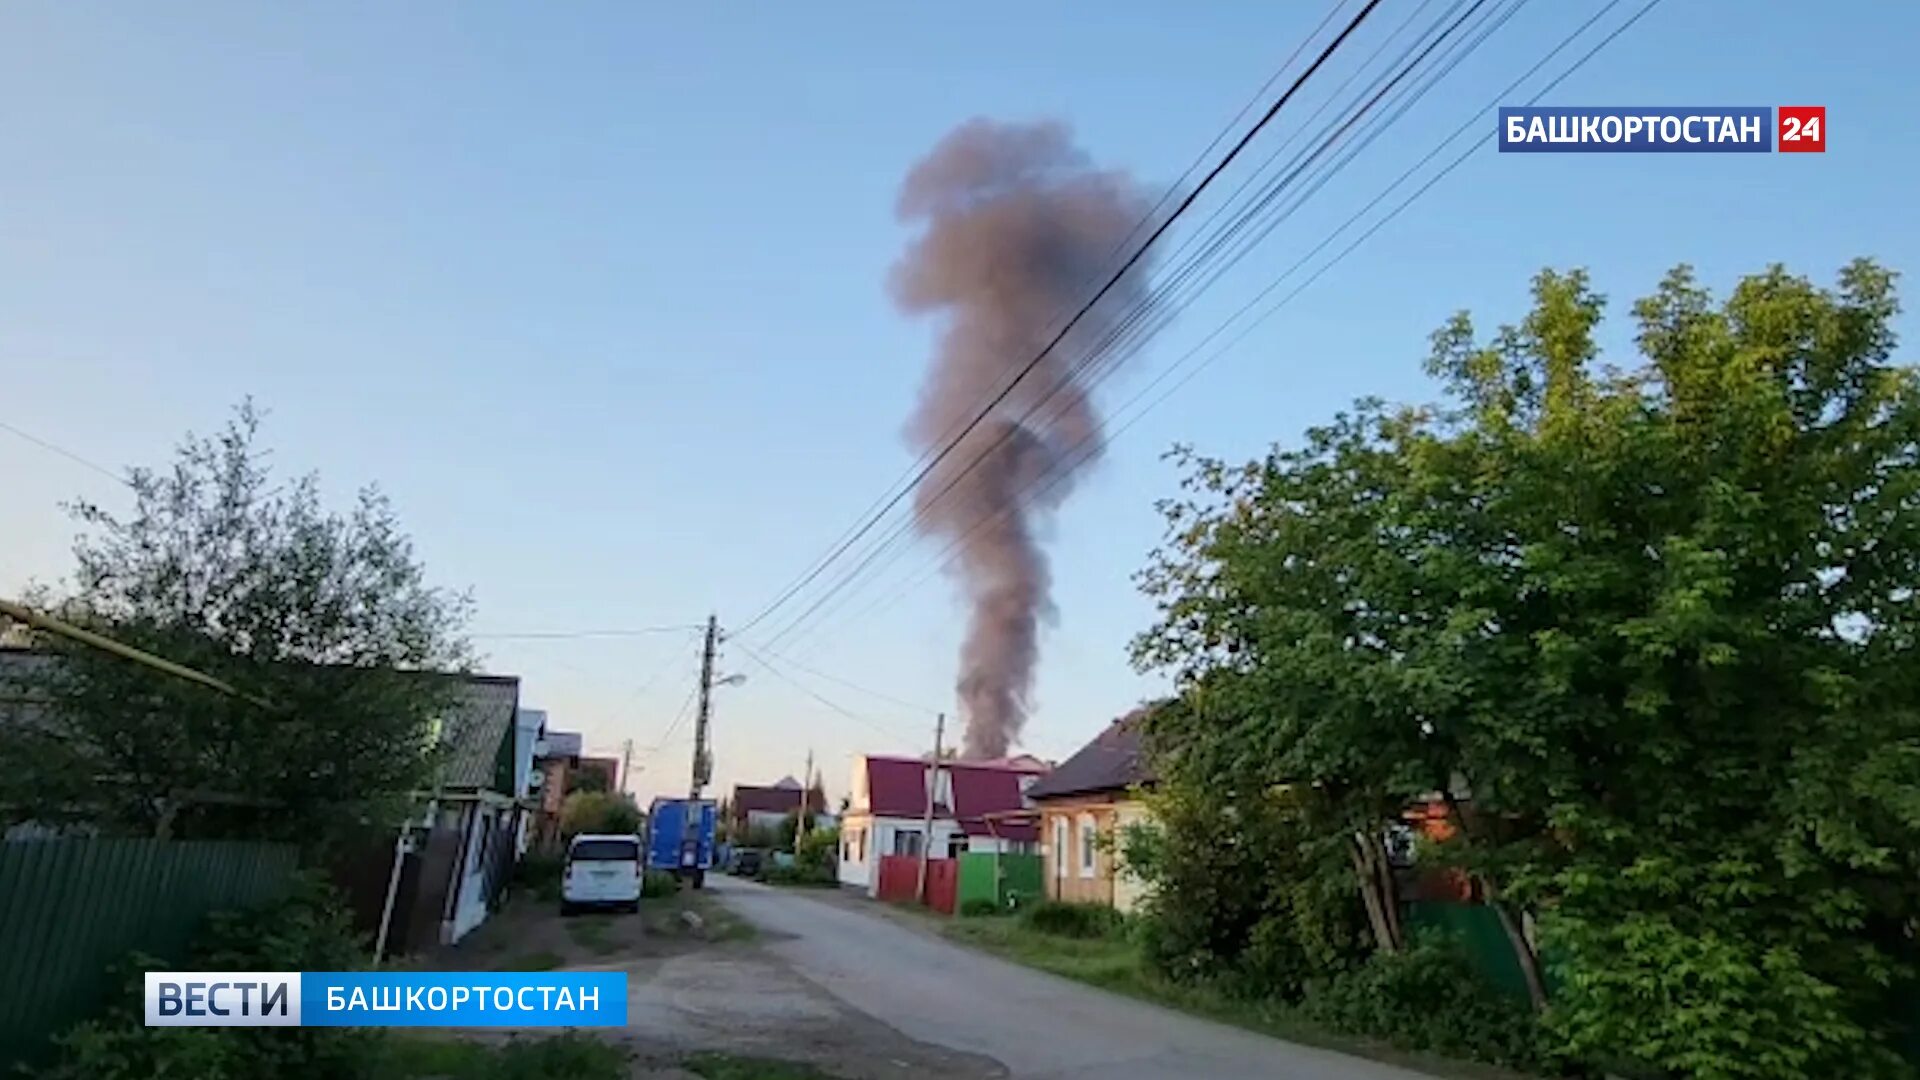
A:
{"points": [[1083, 806], [976, 806]]}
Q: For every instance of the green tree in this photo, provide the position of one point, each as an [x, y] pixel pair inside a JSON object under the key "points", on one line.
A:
{"points": [[599, 812], [1656, 620], [224, 567]]}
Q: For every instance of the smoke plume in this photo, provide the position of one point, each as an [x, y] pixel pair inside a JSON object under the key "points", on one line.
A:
{"points": [[1019, 231]]}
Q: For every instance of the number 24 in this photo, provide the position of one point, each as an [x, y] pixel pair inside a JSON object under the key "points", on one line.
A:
{"points": [[1796, 130]]}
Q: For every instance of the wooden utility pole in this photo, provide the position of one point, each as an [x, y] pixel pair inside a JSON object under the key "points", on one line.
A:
{"points": [[702, 760], [933, 789], [806, 802], [626, 762]]}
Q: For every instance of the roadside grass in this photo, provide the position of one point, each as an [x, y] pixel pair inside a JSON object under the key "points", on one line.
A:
{"points": [[571, 1056], [737, 1067], [664, 918], [1114, 962], [593, 933], [542, 960]]}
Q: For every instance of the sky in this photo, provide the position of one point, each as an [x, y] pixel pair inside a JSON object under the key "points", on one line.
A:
{"points": [[596, 293]]}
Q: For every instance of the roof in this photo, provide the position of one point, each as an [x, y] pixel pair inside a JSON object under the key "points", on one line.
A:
{"points": [[897, 787], [778, 799], [1111, 762], [475, 728]]}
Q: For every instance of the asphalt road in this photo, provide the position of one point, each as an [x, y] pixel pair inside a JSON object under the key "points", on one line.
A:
{"points": [[1034, 1024]]}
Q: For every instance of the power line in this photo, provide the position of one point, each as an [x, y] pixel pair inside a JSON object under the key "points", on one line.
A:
{"points": [[791, 662], [570, 635], [66, 453], [810, 692], [1381, 87], [686, 709], [945, 557], [1118, 275]]}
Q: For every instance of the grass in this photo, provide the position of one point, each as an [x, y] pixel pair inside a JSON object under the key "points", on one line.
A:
{"points": [[591, 932], [543, 960], [736, 1067], [1114, 962], [558, 1057]]}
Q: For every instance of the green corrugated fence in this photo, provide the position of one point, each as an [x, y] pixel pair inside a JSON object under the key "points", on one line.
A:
{"points": [[70, 909], [1018, 875]]}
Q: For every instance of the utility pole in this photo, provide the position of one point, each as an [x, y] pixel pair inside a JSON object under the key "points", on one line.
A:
{"points": [[806, 802], [933, 789], [702, 761], [626, 761]]}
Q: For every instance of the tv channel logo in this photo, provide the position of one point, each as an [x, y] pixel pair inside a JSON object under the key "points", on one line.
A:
{"points": [[385, 999], [1585, 129]]}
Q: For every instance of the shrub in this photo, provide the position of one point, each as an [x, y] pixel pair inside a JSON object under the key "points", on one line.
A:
{"points": [[539, 873], [1074, 920], [1429, 997], [599, 812], [309, 930], [658, 883], [979, 905]]}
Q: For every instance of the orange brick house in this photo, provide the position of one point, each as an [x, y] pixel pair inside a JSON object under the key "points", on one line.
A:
{"points": [[1084, 805]]}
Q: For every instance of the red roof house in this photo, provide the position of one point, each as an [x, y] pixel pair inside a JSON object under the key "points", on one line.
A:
{"points": [[977, 806]]}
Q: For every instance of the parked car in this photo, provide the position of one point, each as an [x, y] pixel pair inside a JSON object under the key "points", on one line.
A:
{"points": [[602, 871], [747, 861]]}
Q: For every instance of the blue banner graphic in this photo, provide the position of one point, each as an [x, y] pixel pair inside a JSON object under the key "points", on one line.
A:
{"points": [[1579, 129]]}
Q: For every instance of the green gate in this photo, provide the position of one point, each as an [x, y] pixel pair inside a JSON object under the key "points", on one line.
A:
{"points": [[996, 877], [69, 909]]}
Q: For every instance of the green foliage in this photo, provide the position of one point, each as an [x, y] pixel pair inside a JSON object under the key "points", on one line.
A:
{"points": [[226, 568], [1656, 617], [657, 883], [817, 855], [308, 931], [976, 906], [569, 1056], [1428, 997], [599, 812], [1240, 893], [716, 1066], [1074, 920], [539, 873]]}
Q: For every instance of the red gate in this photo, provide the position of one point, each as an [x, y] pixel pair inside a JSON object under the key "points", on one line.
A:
{"points": [[900, 880]]}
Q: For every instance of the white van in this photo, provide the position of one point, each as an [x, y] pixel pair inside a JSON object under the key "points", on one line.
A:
{"points": [[602, 870]]}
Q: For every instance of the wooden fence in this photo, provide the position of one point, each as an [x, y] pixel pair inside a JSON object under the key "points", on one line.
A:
{"points": [[70, 910]]}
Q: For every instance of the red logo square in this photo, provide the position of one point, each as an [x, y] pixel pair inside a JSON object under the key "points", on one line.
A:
{"points": [[1803, 129]]}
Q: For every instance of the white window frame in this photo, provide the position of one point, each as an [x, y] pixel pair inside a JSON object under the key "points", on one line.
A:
{"points": [[1062, 847], [1087, 853]]}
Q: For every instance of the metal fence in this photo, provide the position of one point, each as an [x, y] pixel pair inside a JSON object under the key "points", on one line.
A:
{"points": [[71, 909]]}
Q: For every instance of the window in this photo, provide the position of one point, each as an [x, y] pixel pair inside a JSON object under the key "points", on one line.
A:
{"points": [[956, 845], [906, 841], [1060, 848], [1088, 833], [606, 851], [857, 841]]}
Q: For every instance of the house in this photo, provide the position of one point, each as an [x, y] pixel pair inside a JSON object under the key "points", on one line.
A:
{"points": [[769, 807], [529, 725], [476, 808], [975, 808], [1083, 806]]}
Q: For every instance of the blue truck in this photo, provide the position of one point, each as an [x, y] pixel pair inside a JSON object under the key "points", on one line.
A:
{"points": [[680, 838]]}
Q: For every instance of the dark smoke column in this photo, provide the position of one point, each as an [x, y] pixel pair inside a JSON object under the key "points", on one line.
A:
{"points": [[1020, 230]]}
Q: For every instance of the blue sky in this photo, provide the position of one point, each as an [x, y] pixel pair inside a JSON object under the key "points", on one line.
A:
{"points": [[596, 291]]}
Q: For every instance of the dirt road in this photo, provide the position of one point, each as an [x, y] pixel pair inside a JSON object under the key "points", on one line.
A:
{"points": [[937, 994]]}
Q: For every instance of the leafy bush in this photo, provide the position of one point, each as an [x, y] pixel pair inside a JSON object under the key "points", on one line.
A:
{"points": [[599, 812], [539, 873], [978, 906], [1074, 920], [658, 883], [818, 852], [797, 874], [309, 930], [1429, 997]]}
